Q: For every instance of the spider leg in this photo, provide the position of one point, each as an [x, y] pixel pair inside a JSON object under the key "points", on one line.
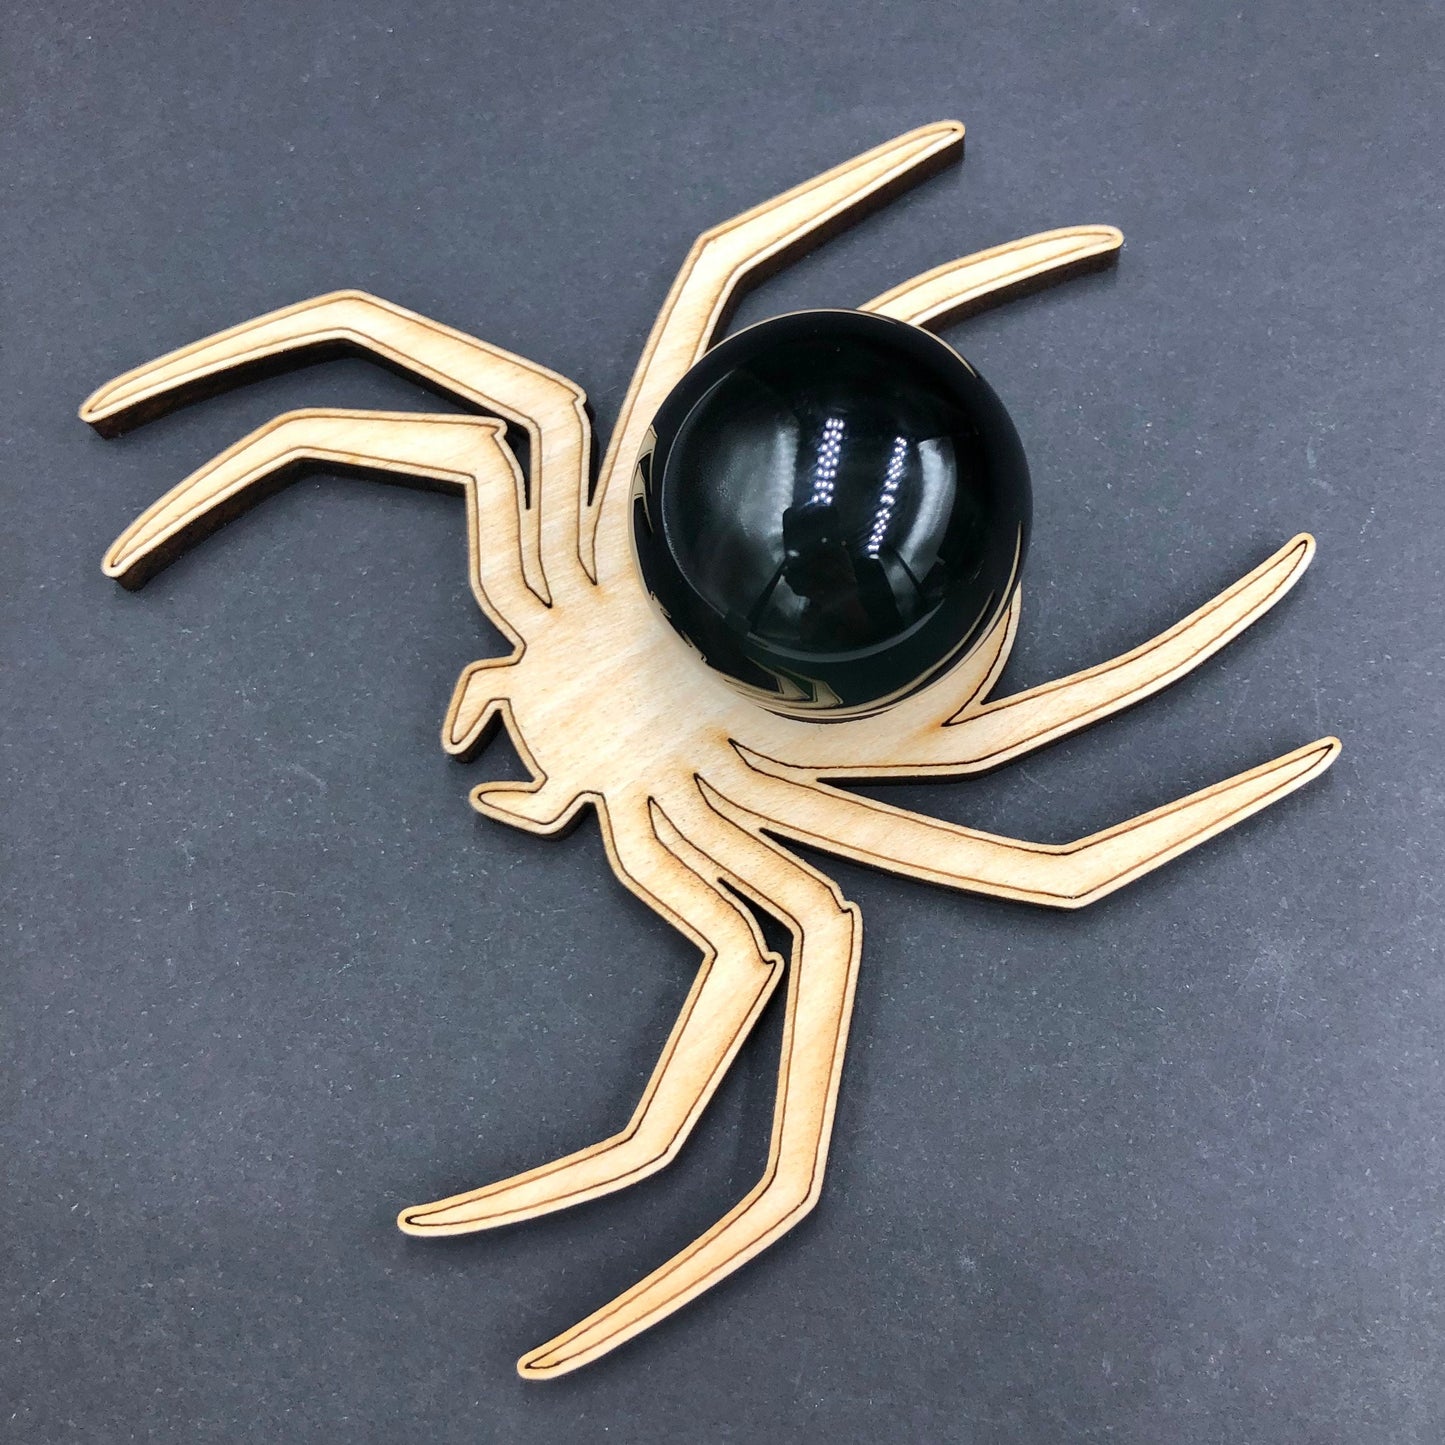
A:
{"points": [[1069, 875], [711, 278], [548, 407], [737, 977], [981, 737], [986, 278], [464, 453], [827, 934]]}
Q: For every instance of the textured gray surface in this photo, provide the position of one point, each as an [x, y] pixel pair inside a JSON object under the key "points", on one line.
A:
{"points": [[1170, 1169]]}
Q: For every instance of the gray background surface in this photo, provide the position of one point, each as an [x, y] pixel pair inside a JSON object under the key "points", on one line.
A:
{"points": [[1168, 1170]]}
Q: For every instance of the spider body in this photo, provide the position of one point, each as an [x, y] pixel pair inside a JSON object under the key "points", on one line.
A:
{"points": [[700, 787]]}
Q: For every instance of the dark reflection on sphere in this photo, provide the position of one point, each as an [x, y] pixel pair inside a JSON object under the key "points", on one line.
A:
{"points": [[834, 509]]}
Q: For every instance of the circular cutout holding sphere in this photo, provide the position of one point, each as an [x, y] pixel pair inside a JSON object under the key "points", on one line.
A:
{"points": [[833, 508]]}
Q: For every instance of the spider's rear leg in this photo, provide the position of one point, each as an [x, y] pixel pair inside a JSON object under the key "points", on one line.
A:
{"points": [[1070, 875], [738, 975], [827, 935], [551, 409]]}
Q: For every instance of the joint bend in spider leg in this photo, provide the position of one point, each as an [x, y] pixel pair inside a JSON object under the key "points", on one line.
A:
{"points": [[736, 979], [827, 937], [1057, 876], [545, 805]]}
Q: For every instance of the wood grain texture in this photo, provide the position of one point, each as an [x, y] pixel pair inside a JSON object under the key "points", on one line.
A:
{"points": [[698, 790]]}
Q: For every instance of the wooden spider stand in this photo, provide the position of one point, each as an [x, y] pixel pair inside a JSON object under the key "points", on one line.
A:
{"points": [[698, 789]]}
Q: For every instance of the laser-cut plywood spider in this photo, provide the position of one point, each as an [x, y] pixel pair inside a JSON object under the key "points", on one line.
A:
{"points": [[698, 790]]}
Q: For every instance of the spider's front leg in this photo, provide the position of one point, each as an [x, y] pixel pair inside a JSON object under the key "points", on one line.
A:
{"points": [[550, 409], [464, 453]]}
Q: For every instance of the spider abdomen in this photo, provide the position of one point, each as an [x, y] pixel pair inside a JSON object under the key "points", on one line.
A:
{"points": [[833, 509]]}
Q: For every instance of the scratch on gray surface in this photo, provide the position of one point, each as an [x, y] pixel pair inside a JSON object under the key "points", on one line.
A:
{"points": [[1239, 702], [1024, 773], [320, 783], [1311, 466]]}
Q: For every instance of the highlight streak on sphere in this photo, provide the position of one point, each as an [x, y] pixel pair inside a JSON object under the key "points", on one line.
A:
{"points": [[833, 509]]}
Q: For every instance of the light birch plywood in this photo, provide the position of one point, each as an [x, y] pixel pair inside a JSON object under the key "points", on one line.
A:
{"points": [[699, 790]]}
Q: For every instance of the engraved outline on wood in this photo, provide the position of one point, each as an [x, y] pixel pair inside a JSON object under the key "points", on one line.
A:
{"points": [[698, 791]]}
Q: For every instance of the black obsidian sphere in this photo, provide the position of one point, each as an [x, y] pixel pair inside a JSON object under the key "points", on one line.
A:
{"points": [[834, 509]]}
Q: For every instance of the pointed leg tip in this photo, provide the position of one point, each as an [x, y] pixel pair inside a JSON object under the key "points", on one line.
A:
{"points": [[93, 408], [462, 1215], [1100, 237], [120, 564], [101, 415], [949, 137], [1282, 570], [937, 138], [544, 1363], [1108, 242], [1307, 763], [428, 1221]]}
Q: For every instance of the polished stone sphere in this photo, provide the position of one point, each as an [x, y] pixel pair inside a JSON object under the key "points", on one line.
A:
{"points": [[834, 509]]}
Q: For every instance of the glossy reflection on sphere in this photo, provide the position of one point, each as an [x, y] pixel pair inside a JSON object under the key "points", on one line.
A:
{"points": [[833, 510]]}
